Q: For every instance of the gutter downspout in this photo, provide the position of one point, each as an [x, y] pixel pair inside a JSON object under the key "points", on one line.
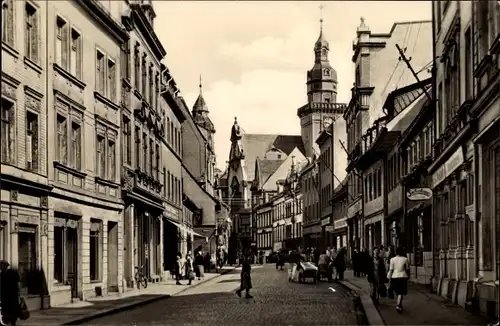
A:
{"points": [[434, 104]]}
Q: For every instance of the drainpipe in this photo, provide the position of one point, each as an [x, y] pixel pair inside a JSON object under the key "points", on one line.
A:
{"points": [[434, 99]]}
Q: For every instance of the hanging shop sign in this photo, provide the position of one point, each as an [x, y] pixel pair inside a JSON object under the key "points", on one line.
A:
{"points": [[419, 194]]}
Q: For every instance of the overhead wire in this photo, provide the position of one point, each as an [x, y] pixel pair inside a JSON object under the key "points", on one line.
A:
{"points": [[412, 51]]}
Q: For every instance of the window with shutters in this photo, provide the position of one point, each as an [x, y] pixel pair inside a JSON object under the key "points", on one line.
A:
{"points": [[144, 80], [111, 168], [31, 39], [152, 158], [96, 260], [8, 130], [31, 141], [62, 43], [469, 85], [76, 147], [137, 67], [100, 72], [62, 144], [138, 150], [101, 156], [111, 87], [167, 186], [151, 85], [127, 140], [145, 152], [157, 162], [8, 22]]}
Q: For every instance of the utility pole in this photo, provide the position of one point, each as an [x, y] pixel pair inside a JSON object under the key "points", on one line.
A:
{"points": [[406, 60]]}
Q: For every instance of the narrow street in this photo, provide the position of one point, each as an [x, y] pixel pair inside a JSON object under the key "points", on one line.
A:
{"points": [[276, 301]]}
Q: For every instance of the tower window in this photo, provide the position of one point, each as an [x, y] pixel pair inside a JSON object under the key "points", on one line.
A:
{"points": [[327, 72]]}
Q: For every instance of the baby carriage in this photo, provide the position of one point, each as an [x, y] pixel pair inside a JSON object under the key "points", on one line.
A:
{"points": [[307, 270]]}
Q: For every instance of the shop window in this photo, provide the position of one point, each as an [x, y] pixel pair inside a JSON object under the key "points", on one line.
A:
{"points": [[27, 249], [95, 249], [65, 250]]}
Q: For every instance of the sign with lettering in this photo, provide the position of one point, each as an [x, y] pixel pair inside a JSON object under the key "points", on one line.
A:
{"points": [[448, 167], [354, 208], [325, 221], [419, 194], [329, 228], [339, 224]]}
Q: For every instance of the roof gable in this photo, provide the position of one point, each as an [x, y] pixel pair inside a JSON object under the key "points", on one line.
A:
{"points": [[256, 145]]}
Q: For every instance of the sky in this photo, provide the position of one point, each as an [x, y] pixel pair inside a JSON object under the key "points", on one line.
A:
{"points": [[253, 55]]}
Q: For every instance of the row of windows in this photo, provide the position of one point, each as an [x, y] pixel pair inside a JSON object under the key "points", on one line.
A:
{"points": [[147, 81], [311, 212], [393, 171], [287, 209], [172, 187], [147, 152], [174, 136], [373, 185], [285, 232], [264, 219], [325, 160], [326, 195], [8, 134], [420, 148], [265, 240]]}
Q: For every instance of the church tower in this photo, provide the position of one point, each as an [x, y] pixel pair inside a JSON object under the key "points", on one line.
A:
{"points": [[200, 117], [321, 108]]}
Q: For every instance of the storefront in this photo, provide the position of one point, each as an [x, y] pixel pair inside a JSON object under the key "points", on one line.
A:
{"points": [[312, 236], [355, 224], [340, 233], [454, 235]]}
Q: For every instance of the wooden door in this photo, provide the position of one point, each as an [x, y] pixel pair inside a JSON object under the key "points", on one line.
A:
{"points": [[72, 260]]}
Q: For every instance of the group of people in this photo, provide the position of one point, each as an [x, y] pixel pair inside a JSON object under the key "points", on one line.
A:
{"points": [[190, 268], [387, 271]]}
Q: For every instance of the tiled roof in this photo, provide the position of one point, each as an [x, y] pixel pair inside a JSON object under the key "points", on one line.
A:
{"points": [[267, 168], [256, 145]]}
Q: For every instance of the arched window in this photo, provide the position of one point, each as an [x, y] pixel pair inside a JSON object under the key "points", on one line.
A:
{"points": [[327, 72]]}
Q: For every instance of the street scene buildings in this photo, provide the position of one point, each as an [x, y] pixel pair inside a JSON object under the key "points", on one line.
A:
{"points": [[109, 175]]}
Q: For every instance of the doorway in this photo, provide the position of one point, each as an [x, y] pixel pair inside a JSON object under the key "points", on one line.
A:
{"points": [[112, 256], [72, 259], [170, 245]]}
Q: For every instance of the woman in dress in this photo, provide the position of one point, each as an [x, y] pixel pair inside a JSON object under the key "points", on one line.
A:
{"points": [[10, 296], [188, 265], [246, 279], [398, 276], [323, 265], [376, 274]]}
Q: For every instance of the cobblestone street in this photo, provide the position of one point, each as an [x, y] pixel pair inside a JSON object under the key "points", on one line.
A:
{"points": [[276, 301]]}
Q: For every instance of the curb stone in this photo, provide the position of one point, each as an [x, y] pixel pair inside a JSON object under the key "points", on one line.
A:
{"points": [[371, 311], [126, 306]]}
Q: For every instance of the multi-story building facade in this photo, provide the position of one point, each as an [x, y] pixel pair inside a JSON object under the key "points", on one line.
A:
{"points": [[374, 55], [465, 206], [24, 221], [338, 228], [143, 179], [309, 179], [264, 220]]}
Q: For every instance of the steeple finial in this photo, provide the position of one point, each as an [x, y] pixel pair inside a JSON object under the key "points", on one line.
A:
{"points": [[321, 7], [201, 85]]}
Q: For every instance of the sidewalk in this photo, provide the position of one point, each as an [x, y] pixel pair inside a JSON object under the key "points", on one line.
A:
{"points": [[421, 307], [79, 312]]}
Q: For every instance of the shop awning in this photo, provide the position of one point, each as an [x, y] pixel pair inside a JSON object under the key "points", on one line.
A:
{"points": [[182, 227]]}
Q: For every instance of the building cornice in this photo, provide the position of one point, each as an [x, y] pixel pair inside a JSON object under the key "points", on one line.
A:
{"points": [[96, 11], [143, 25]]}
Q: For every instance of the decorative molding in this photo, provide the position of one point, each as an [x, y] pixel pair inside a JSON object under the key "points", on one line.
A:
{"points": [[77, 82], [67, 169], [147, 31], [33, 65], [68, 100], [103, 99], [33, 93]]}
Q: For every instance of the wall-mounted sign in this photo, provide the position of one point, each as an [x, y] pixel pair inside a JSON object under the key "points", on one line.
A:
{"points": [[342, 223], [419, 194], [448, 167], [329, 228], [354, 208]]}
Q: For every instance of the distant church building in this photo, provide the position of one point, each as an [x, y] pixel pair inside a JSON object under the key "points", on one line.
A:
{"points": [[259, 164]]}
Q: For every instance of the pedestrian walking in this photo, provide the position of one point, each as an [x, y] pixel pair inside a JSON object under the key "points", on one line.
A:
{"points": [[355, 262], [178, 269], [390, 254], [188, 267], [10, 303], [323, 263], [398, 276], [199, 263], [376, 276], [339, 264], [246, 279]]}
